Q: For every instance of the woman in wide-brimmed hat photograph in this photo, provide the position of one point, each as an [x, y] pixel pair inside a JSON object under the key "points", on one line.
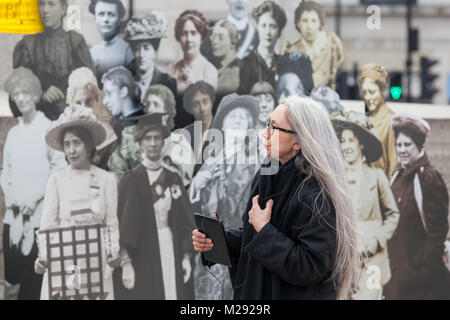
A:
{"points": [[144, 35], [221, 186], [416, 250], [373, 202], [82, 194], [83, 91]]}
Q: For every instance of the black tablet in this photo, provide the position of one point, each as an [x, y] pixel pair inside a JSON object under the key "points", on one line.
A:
{"points": [[214, 230]]}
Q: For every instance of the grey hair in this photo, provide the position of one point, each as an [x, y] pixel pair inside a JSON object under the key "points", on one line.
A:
{"points": [[321, 150]]}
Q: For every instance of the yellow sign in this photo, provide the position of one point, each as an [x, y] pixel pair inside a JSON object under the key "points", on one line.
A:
{"points": [[20, 16]]}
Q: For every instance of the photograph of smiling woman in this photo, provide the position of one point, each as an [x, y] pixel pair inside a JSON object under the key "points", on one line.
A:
{"points": [[373, 81], [190, 31]]}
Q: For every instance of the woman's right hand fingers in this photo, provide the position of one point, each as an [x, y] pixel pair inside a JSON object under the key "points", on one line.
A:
{"points": [[200, 242]]}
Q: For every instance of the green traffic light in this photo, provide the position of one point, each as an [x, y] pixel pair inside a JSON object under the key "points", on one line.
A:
{"points": [[396, 92]]}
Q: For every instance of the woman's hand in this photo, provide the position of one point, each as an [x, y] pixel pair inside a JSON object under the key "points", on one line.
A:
{"points": [[128, 276], [40, 266], [200, 242], [258, 218], [187, 268], [114, 262], [202, 179], [199, 182], [53, 94]]}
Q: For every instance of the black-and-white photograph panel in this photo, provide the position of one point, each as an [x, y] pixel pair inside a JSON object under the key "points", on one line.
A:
{"points": [[328, 98], [374, 83], [52, 55], [91, 199], [83, 91], [224, 39], [221, 186], [323, 47], [112, 51], [261, 63], [294, 75], [157, 254], [122, 119], [27, 164], [416, 250], [376, 212], [190, 31]]}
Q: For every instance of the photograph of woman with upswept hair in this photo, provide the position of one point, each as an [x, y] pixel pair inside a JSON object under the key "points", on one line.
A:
{"points": [[112, 51], [224, 39], [52, 55], [323, 47], [261, 63], [27, 164], [190, 31]]}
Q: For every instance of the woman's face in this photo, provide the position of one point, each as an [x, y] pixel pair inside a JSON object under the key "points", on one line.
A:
{"points": [[144, 54], [268, 30], [236, 119], [220, 42], [84, 98], [350, 146], [76, 151], [309, 25], [289, 84], [52, 13], [372, 95], [238, 8], [152, 144], [113, 98], [153, 103], [279, 145], [107, 19], [407, 150], [25, 101], [266, 105], [201, 107], [190, 40]]}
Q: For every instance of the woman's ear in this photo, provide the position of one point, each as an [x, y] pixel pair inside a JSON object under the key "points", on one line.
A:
{"points": [[123, 92], [296, 146]]}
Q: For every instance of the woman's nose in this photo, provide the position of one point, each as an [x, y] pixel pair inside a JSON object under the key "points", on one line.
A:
{"points": [[265, 133]]}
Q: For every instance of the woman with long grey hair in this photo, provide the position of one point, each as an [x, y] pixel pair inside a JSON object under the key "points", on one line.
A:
{"points": [[299, 236]]}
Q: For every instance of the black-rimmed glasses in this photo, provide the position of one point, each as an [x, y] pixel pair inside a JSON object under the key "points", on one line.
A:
{"points": [[271, 128]]}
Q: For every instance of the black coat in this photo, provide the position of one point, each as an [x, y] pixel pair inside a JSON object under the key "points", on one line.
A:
{"points": [[255, 69], [415, 254], [291, 257], [138, 234]]}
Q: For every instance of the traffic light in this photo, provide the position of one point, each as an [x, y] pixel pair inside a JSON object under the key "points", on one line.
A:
{"points": [[427, 78], [395, 82]]}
